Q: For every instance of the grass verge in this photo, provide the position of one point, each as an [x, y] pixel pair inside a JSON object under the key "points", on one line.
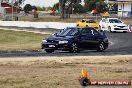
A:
{"points": [[20, 40], [57, 19]]}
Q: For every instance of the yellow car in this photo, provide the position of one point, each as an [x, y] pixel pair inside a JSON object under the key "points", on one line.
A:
{"points": [[88, 23]]}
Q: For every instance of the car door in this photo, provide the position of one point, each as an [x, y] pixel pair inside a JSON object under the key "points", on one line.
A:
{"points": [[86, 39], [96, 38], [92, 23]]}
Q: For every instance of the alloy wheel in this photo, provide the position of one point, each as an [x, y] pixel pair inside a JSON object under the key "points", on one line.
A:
{"points": [[74, 48]]}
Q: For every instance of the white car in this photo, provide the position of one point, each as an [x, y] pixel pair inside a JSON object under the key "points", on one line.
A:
{"points": [[112, 25]]}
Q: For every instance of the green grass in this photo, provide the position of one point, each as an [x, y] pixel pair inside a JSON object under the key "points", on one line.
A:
{"points": [[20, 40]]}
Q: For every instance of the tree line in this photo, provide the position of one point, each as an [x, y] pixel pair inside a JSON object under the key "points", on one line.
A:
{"points": [[67, 7], [74, 6]]}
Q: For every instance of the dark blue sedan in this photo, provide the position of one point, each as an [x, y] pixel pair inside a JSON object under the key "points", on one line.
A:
{"points": [[75, 39]]}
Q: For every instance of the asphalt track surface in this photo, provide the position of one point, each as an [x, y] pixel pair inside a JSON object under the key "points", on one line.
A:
{"points": [[120, 44]]}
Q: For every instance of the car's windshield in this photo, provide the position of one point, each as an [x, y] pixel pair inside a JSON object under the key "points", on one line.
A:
{"points": [[90, 21], [68, 32], [114, 21]]}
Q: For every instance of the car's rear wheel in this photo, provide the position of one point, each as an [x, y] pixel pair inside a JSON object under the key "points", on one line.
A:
{"points": [[101, 47], [49, 50], [86, 25], [74, 48]]}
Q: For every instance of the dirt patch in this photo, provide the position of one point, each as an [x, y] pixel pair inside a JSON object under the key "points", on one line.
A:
{"points": [[62, 72]]}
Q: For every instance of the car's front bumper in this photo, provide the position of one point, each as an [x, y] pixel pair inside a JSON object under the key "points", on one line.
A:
{"points": [[119, 29], [56, 46]]}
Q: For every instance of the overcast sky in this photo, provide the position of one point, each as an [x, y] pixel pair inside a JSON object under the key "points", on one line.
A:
{"points": [[41, 3]]}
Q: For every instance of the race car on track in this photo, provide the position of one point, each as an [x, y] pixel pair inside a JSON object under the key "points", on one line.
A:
{"points": [[75, 39], [112, 25], [87, 23]]}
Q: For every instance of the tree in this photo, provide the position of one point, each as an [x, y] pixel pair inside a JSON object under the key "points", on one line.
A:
{"points": [[27, 8], [39, 8], [49, 8], [79, 9], [34, 8], [18, 2], [99, 5], [90, 4], [66, 7], [44, 8], [56, 6]]}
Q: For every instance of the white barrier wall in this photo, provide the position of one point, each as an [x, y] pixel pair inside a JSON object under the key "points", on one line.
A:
{"points": [[56, 25]]}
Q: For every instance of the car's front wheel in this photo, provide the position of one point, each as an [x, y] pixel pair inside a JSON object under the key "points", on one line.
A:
{"points": [[109, 29], [49, 50], [74, 48], [101, 47]]}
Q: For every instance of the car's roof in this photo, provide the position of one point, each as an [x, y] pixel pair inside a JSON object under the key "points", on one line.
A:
{"points": [[110, 18], [75, 27], [79, 27]]}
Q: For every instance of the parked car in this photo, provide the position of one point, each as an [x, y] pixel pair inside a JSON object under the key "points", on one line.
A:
{"points": [[112, 25], [75, 39], [88, 23]]}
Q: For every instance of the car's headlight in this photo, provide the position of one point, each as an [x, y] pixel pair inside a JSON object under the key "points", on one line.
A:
{"points": [[44, 41], [63, 42]]}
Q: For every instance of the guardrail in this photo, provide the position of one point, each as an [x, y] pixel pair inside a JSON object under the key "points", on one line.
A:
{"points": [[55, 25]]}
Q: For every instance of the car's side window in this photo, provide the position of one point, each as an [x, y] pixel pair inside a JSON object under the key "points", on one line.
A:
{"points": [[94, 32], [86, 31], [107, 21], [83, 21], [87, 21], [103, 20]]}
